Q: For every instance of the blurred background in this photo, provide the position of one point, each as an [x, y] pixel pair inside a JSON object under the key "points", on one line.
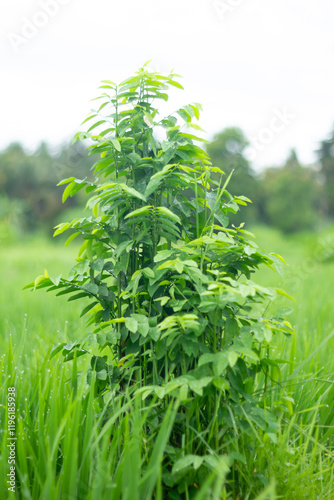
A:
{"points": [[262, 71]]}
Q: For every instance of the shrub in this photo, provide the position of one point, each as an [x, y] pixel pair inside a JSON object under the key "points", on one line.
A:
{"points": [[168, 285]]}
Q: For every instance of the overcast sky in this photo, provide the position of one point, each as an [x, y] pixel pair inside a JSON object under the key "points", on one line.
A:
{"points": [[263, 65]]}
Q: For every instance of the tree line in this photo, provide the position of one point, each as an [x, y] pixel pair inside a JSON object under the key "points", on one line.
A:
{"points": [[30, 199], [291, 197]]}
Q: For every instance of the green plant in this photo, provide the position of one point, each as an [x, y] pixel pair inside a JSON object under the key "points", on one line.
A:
{"points": [[170, 298]]}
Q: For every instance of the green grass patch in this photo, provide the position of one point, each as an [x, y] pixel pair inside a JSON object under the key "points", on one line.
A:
{"points": [[68, 448]]}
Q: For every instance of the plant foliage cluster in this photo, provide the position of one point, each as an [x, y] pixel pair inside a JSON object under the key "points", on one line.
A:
{"points": [[167, 281]]}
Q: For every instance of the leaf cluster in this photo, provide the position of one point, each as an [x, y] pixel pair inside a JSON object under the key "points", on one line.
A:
{"points": [[168, 283]]}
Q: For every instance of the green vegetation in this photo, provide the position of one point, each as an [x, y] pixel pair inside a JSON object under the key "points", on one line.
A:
{"points": [[30, 200], [291, 197], [49, 402], [227, 151], [169, 293], [186, 381], [29, 197], [326, 159]]}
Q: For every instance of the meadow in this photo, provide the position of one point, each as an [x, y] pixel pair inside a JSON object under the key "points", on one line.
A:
{"points": [[67, 448]]}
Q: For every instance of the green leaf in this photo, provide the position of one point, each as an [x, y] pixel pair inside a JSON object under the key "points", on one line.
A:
{"points": [[88, 308], [231, 328], [97, 265], [283, 292], [56, 349], [102, 374], [91, 288], [175, 84], [178, 266], [169, 214], [89, 118], [198, 385], [131, 324], [109, 82], [190, 346], [133, 192], [279, 257], [134, 282], [186, 461], [96, 125], [116, 144], [148, 272], [219, 361], [235, 455], [142, 322], [71, 238], [140, 211], [153, 185], [184, 115], [193, 137], [55, 281], [40, 279], [68, 191], [98, 363], [232, 357], [163, 254], [249, 353], [66, 181]]}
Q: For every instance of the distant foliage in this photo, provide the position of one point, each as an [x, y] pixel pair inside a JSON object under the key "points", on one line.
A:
{"points": [[291, 197], [326, 159], [227, 151], [28, 184]]}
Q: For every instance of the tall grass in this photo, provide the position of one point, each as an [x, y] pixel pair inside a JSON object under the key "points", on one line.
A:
{"points": [[69, 446]]}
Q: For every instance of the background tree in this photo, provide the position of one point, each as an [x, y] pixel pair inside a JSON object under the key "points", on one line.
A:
{"points": [[28, 182], [227, 152], [291, 196], [326, 158]]}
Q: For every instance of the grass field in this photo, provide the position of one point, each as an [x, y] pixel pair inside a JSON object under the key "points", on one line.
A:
{"points": [[67, 449]]}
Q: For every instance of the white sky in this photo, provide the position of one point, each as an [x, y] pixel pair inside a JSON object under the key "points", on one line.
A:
{"points": [[242, 59]]}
